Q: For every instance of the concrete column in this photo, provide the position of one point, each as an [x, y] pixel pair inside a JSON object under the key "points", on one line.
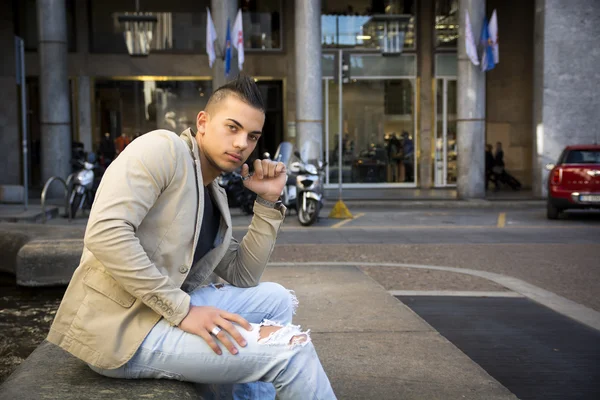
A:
{"points": [[55, 118], [471, 109], [566, 87], [10, 138], [221, 10], [309, 90], [425, 25], [84, 112]]}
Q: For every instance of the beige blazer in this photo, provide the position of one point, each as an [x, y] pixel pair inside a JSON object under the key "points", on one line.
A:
{"points": [[139, 247]]}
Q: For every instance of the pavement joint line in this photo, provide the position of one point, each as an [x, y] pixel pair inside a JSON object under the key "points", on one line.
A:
{"points": [[344, 222], [560, 304], [501, 220], [423, 227], [457, 293]]}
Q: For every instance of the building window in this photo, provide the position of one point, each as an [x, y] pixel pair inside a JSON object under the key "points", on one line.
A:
{"points": [[26, 25], [181, 25], [378, 131], [262, 20], [134, 107], [446, 24], [385, 25]]}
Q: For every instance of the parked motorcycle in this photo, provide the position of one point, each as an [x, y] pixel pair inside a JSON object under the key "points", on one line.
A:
{"points": [[237, 194], [284, 154], [83, 185], [309, 189]]}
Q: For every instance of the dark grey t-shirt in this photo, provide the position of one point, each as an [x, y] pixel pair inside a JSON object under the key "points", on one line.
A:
{"points": [[210, 227]]}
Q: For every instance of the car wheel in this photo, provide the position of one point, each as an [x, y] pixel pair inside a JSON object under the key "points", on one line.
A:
{"points": [[552, 212]]}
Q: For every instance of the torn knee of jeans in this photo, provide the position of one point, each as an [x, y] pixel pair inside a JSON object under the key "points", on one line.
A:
{"points": [[274, 334], [295, 301], [218, 286]]}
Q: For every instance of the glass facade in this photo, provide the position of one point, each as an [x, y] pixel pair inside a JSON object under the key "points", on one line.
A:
{"points": [[378, 137], [262, 20], [445, 133], [181, 26], [134, 107], [379, 25], [446, 24]]}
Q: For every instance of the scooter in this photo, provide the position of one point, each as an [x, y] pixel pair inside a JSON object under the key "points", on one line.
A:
{"points": [[309, 190], [82, 186], [284, 153]]}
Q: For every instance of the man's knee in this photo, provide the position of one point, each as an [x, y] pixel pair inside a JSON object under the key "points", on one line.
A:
{"points": [[287, 298]]}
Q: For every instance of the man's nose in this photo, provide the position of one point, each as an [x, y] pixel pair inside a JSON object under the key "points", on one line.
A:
{"points": [[241, 141]]}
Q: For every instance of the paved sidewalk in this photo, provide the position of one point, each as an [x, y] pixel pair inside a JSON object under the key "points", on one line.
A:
{"points": [[371, 345]]}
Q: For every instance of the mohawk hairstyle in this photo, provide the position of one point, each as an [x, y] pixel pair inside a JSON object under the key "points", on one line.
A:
{"points": [[244, 88]]}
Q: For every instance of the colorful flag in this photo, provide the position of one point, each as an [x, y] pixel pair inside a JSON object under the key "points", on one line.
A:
{"points": [[470, 47], [238, 37], [487, 58], [211, 36], [227, 50], [493, 32]]}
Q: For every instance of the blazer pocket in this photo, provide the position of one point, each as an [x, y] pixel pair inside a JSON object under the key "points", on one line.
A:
{"points": [[107, 285]]}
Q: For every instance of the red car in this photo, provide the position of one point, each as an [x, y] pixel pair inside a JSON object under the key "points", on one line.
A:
{"points": [[574, 182]]}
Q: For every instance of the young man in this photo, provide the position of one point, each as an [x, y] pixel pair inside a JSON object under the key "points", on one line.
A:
{"points": [[159, 226]]}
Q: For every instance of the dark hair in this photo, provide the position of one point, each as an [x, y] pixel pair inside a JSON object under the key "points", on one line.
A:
{"points": [[244, 88]]}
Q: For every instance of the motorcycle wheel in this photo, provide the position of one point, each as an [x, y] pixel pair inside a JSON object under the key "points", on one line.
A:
{"points": [[75, 203], [311, 214]]}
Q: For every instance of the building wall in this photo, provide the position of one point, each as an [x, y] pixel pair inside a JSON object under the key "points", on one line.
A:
{"points": [[10, 137], [566, 100], [509, 87]]}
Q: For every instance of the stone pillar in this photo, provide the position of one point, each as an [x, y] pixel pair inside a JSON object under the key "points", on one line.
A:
{"points": [[309, 90], [84, 112], [566, 87], [55, 121], [471, 109], [10, 138], [221, 10], [425, 25]]}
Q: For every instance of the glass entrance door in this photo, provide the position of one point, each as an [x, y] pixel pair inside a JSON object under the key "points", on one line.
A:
{"points": [[445, 133], [378, 132]]}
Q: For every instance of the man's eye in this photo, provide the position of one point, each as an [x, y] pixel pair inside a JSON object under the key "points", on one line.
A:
{"points": [[232, 128], [254, 138]]}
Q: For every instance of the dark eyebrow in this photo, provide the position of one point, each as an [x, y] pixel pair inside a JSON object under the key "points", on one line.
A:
{"points": [[241, 127]]}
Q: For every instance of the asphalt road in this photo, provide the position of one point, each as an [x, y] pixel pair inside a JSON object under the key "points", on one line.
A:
{"points": [[559, 256]]}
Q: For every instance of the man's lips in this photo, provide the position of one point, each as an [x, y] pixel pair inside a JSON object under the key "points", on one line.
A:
{"points": [[234, 156]]}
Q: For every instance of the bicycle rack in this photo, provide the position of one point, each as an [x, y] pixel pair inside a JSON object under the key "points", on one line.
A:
{"points": [[45, 192]]}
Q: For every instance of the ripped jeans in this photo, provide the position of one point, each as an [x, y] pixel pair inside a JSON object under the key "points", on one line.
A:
{"points": [[279, 363]]}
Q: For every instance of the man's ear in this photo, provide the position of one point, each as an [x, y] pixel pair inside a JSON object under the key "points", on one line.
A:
{"points": [[201, 122]]}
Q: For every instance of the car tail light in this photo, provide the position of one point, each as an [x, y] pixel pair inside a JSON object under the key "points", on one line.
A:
{"points": [[556, 177]]}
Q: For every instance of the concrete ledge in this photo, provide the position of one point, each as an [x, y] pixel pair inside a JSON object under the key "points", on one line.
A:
{"points": [[51, 373], [48, 262], [11, 243], [12, 194]]}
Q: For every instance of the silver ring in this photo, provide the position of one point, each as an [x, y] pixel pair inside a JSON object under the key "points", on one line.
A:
{"points": [[245, 178], [215, 331]]}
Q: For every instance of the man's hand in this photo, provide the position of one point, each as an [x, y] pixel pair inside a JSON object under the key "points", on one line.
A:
{"points": [[268, 179], [201, 320]]}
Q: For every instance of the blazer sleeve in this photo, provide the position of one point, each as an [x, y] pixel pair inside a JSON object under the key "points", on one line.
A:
{"points": [[245, 261], [129, 189]]}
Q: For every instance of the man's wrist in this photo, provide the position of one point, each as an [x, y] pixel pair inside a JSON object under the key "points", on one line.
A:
{"points": [[272, 199]]}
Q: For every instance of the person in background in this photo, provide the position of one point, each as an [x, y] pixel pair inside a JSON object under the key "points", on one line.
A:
{"points": [[121, 142], [106, 150], [489, 166], [409, 161]]}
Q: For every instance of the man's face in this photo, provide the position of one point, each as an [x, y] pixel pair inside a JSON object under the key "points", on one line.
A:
{"points": [[227, 134]]}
